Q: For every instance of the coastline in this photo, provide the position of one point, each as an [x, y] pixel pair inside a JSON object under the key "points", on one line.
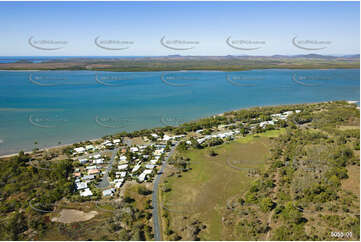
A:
{"points": [[218, 114]]}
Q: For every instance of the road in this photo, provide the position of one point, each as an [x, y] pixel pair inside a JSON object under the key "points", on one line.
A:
{"points": [[104, 183], [155, 202]]}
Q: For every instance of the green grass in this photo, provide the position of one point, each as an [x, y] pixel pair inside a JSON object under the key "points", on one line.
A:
{"points": [[203, 192]]}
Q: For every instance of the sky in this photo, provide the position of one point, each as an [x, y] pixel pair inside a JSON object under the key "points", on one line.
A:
{"points": [[187, 28]]}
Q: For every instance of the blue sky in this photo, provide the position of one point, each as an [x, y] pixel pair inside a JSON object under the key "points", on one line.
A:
{"points": [[208, 24]]}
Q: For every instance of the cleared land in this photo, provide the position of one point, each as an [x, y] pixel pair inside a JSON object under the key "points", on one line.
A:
{"points": [[211, 185]]}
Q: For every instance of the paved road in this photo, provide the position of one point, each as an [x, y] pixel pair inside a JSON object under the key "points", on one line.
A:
{"points": [[155, 202], [104, 183]]}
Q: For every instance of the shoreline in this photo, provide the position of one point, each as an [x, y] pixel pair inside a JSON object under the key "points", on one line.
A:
{"points": [[218, 114], [191, 70]]}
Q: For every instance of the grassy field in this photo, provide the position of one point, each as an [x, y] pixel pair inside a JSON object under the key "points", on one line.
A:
{"points": [[211, 184]]}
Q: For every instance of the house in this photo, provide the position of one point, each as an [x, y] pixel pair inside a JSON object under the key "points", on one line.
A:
{"points": [[123, 174], [93, 171], [76, 174], [119, 183], [116, 141], [108, 192], [141, 177], [263, 124], [136, 168], [123, 167], [134, 149], [153, 162], [86, 193], [147, 172], [88, 177], [91, 167], [99, 161], [166, 137], [288, 113], [154, 136], [298, 111], [79, 150], [83, 161], [81, 185], [150, 166], [90, 147], [123, 158], [97, 156], [159, 151], [201, 140]]}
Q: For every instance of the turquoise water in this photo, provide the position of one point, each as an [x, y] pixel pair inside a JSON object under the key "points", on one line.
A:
{"points": [[70, 106]]}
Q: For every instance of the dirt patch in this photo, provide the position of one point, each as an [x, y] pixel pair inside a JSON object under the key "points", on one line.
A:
{"points": [[73, 215], [353, 182]]}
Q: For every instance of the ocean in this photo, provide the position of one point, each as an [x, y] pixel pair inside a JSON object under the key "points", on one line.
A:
{"points": [[61, 107]]}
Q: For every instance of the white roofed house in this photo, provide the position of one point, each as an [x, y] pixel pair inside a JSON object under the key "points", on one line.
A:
{"points": [[123, 158], [288, 113], [99, 161], [136, 168], [263, 124], [79, 150], [83, 161], [123, 174], [144, 174], [116, 141], [81, 185], [108, 192], [141, 177], [123, 167], [166, 137], [134, 149], [86, 193], [159, 151], [150, 166], [91, 167], [88, 177], [90, 147], [97, 156], [153, 162], [119, 183]]}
